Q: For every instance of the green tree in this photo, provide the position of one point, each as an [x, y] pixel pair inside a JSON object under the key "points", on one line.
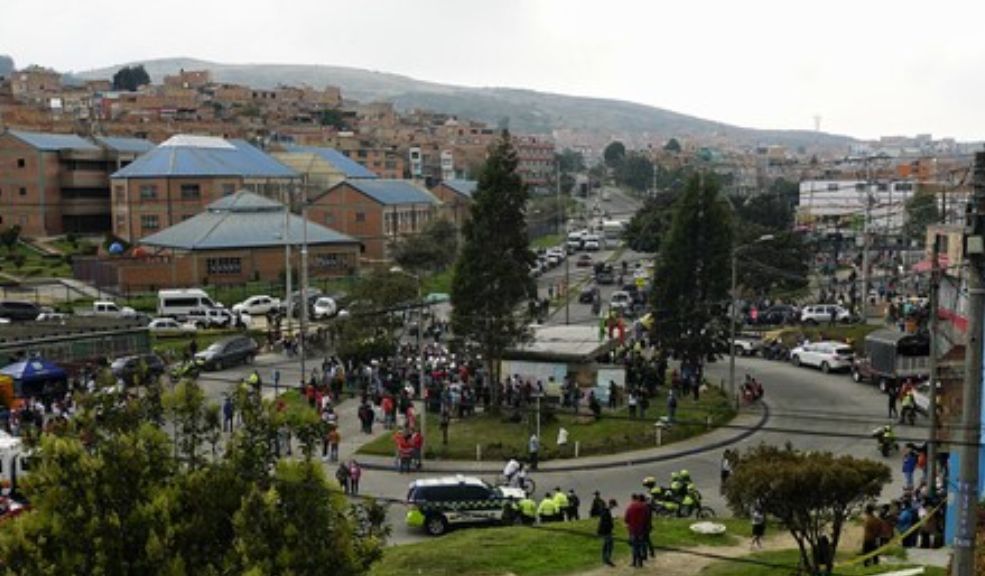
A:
{"points": [[431, 251], [811, 494], [332, 117], [570, 161], [635, 171], [692, 279], [770, 211], [195, 420], [648, 225], [10, 236], [130, 78], [492, 275], [614, 154], [780, 264], [921, 212], [672, 145]]}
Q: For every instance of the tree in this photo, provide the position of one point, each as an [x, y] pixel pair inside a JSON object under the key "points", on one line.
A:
{"points": [[672, 145], [10, 236], [692, 279], [648, 225], [811, 494], [570, 161], [771, 211], [635, 171], [780, 264], [614, 154], [332, 117], [921, 212], [433, 250], [130, 78], [492, 274]]}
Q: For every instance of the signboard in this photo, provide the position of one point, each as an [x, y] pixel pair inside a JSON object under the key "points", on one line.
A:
{"points": [[604, 377], [550, 374]]}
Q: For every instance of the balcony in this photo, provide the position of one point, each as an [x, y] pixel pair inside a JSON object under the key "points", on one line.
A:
{"points": [[84, 179]]}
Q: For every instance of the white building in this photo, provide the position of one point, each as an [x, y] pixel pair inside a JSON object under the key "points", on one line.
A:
{"points": [[885, 201]]}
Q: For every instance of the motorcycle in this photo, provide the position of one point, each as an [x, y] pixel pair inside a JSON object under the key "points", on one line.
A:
{"points": [[887, 441], [187, 369], [908, 415], [520, 480]]}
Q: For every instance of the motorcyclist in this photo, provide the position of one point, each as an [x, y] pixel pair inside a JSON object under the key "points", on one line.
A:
{"points": [[907, 407]]}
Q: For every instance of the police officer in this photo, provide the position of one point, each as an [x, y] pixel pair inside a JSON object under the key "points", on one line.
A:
{"points": [[528, 510], [561, 501], [598, 505], [547, 509], [573, 504]]}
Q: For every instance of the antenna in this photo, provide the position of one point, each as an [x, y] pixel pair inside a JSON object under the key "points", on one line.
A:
{"points": [[817, 122]]}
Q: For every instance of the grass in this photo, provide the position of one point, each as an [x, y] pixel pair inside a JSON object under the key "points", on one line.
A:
{"points": [[167, 345], [534, 550], [440, 282], [549, 241], [614, 432], [35, 264], [784, 563]]}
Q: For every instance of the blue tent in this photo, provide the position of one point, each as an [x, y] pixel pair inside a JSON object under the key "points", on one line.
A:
{"points": [[35, 377]]}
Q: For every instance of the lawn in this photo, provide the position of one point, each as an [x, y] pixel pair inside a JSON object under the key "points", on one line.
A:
{"points": [[168, 345], [34, 263], [535, 550], [549, 241], [784, 563], [614, 432]]}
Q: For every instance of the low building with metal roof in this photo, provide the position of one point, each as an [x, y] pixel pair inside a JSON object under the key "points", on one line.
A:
{"points": [[184, 174], [321, 167], [376, 211], [456, 199]]}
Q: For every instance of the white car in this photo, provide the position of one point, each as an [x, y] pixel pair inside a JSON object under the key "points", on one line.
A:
{"points": [[747, 346], [169, 326], [559, 253], [593, 243], [621, 300], [257, 305], [324, 307], [827, 356], [821, 314]]}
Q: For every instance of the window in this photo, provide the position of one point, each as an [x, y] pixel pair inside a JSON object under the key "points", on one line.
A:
{"points": [[148, 191], [149, 222], [20, 163], [360, 216], [190, 192], [328, 260], [228, 189], [833, 187], [23, 191], [221, 266]]}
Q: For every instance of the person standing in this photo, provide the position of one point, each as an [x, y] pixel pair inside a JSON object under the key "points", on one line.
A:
{"points": [[758, 527], [355, 473], [228, 411], [547, 509], [671, 405], [635, 517], [892, 393], [597, 505], [604, 530], [562, 441], [342, 475], [872, 530], [562, 504], [726, 469], [533, 450], [574, 503], [333, 444], [909, 465]]}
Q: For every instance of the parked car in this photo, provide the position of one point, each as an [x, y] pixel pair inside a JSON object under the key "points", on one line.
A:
{"points": [[778, 315], [604, 274], [622, 301], [892, 356], [313, 294], [258, 305], [324, 307], [593, 243], [827, 356], [747, 346], [822, 313], [163, 326], [127, 367], [211, 318], [106, 308], [17, 311], [180, 303], [437, 504], [228, 352], [587, 295], [583, 261]]}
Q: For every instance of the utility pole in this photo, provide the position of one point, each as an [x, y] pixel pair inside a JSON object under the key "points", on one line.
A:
{"points": [[866, 240], [934, 376], [304, 279], [967, 490], [287, 257]]}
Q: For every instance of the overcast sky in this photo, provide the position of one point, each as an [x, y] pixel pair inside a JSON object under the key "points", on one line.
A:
{"points": [[868, 68]]}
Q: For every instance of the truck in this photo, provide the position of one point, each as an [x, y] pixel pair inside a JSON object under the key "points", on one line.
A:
{"points": [[892, 356], [106, 308], [613, 229]]}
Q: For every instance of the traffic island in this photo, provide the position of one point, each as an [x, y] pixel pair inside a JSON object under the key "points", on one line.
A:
{"points": [[486, 437]]}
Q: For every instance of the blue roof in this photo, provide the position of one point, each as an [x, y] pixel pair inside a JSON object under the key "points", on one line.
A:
{"points": [[191, 156], [392, 191], [242, 220], [349, 167], [54, 142], [122, 144], [463, 187]]}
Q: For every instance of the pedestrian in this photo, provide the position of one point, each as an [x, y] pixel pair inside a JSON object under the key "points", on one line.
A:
{"points": [[909, 465], [533, 450], [612, 395], [696, 388], [334, 437], [355, 473], [561, 501], [604, 530], [562, 441], [574, 503], [228, 410], [758, 526], [892, 392], [444, 422], [635, 517], [871, 531], [632, 402], [671, 405], [342, 475], [598, 504], [726, 469]]}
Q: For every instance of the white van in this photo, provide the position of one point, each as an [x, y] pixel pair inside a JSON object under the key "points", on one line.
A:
{"points": [[576, 240], [180, 303], [14, 461]]}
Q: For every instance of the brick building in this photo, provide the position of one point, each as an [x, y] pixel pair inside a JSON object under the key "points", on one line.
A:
{"points": [[375, 212], [536, 164], [456, 199], [180, 177], [321, 167], [238, 238], [52, 184]]}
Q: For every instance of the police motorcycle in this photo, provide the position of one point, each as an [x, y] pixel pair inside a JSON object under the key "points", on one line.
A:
{"points": [[518, 478], [190, 368], [887, 440], [682, 499]]}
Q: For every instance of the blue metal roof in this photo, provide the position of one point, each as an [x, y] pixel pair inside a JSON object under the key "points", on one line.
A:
{"points": [[463, 187], [122, 144], [349, 167], [190, 156], [54, 142], [392, 191], [242, 220]]}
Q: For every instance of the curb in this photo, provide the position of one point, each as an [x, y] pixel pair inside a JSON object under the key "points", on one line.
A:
{"points": [[764, 417]]}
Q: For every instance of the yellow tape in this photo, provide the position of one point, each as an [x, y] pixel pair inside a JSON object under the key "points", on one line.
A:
{"points": [[898, 538]]}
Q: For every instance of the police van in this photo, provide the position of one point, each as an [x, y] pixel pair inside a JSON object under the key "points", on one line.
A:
{"points": [[438, 503]]}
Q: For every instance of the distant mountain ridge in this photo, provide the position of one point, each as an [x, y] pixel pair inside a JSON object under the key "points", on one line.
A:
{"points": [[527, 110]]}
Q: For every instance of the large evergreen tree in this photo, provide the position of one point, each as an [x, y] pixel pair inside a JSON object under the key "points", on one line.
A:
{"points": [[130, 78], [692, 280], [492, 275]]}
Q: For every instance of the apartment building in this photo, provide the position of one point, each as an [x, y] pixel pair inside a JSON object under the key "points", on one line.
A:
{"points": [[53, 184], [536, 164], [375, 211], [181, 176]]}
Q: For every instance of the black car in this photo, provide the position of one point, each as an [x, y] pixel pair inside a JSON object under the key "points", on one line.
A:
{"points": [[604, 274], [778, 315], [16, 311], [127, 367], [587, 295], [228, 352]]}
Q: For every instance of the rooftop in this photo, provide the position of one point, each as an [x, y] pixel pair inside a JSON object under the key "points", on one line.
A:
{"points": [[389, 192], [242, 220], [190, 156], [122, 144], [562, 344], [348, 167], [53, 142], [463, 187]]}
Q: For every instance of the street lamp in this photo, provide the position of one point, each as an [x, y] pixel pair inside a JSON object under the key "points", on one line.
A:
{"points": [[735, 310], [420, 350]]}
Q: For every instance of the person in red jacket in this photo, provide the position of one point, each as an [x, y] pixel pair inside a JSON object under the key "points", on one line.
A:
{"points": [[637, 517], [417, 442]]}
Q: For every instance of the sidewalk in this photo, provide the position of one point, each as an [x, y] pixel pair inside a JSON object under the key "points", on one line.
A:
{"points": [[740, 428]]}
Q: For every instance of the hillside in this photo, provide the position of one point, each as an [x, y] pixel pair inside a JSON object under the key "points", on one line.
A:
{"points": [[527, 110]]}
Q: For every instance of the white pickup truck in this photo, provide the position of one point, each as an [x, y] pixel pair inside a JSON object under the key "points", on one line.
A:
{"points": [[106, 308]]}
